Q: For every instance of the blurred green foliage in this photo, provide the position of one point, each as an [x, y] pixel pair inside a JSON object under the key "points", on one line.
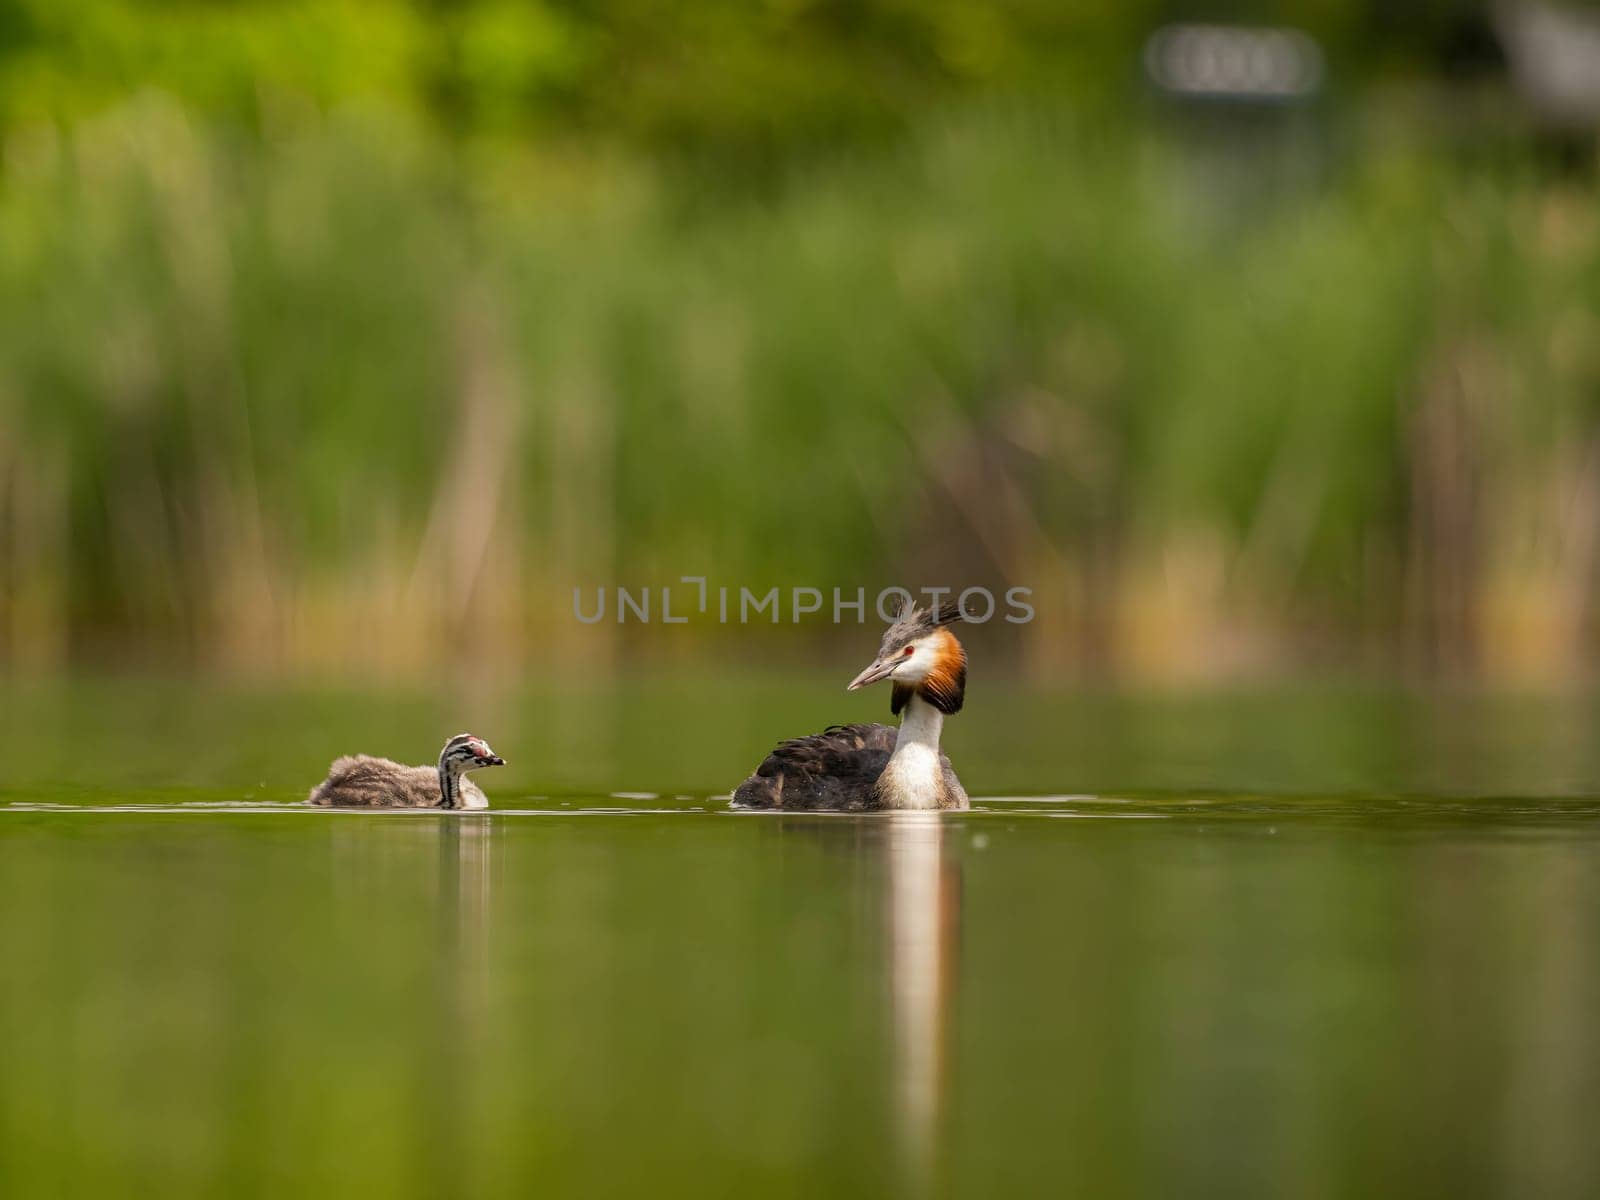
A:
{"points": [[330, 391], [333, 327], [718, 74]]}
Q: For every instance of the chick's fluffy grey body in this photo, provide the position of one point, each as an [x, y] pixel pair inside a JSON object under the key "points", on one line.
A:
{"points": [[361, 781]]}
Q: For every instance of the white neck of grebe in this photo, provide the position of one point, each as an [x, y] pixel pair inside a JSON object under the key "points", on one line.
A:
{"points": [[914, 777]]}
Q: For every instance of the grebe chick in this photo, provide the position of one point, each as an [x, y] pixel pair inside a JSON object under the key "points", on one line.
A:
{"points": [[858, 768], [360, 781]]}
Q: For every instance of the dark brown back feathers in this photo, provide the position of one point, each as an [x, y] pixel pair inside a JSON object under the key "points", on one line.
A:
{"points": [[835, 770]]}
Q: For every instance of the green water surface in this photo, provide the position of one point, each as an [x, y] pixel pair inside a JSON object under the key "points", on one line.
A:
{"points": [[1316, 943]]}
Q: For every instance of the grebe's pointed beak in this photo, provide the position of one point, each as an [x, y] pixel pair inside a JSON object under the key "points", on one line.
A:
{"points": [[881, 669], [496, 761]]}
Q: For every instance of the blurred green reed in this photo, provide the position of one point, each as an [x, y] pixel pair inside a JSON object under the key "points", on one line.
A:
{"points": [[336, 394]]}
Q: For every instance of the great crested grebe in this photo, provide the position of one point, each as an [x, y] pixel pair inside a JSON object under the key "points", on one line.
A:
{"points": [[855, 768], [359, 781]]}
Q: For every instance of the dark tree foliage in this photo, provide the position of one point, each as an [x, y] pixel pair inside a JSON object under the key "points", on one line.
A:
{"points": [[712, 74]]}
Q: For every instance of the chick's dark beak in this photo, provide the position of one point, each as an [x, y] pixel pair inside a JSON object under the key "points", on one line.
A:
{"points": [[881, 669]]}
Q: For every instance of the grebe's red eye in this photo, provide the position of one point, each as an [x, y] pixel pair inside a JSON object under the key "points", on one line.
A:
{"points": [[909, 651]]}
